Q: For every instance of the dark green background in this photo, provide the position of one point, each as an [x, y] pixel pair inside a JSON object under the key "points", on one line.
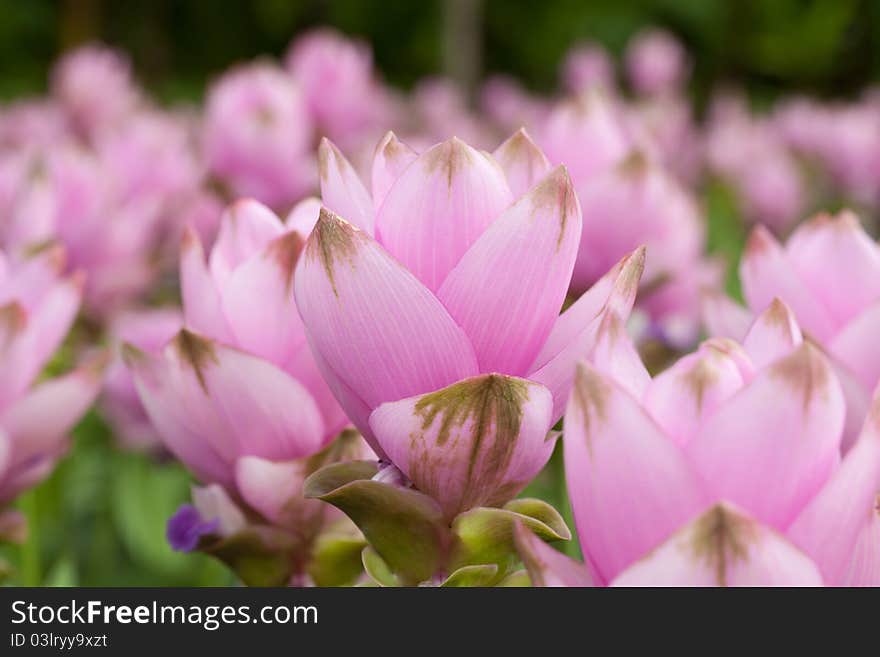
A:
{"points": [[821, 46]]}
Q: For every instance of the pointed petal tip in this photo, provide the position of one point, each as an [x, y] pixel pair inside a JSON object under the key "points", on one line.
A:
{"points": [[759, 240]]}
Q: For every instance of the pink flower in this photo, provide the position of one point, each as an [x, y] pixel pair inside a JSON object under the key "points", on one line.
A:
{"points": [[237, 390], [656, 62], [258, 134], [38, 304], [335, 74], [510, 106], [67, 195], [828, 272], [588, 134], [432, 309], [95, 87], [637, 202], [725, 469], [585, 66], [30, 122], [751, 156], [148, 330]]}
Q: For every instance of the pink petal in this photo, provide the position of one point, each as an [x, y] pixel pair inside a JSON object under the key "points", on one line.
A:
{"points": [[475, 443], [547, 566], [856, 346], [258, 302], [684, 396], [212, 404], [839, 261], [723, 317], [629, 485], [507, 290], [270, 487], [781, 433], [39, 423], [303, 215], [616, 356], [29, 340], [378, 328], [723, 547], [773, 335], [202, 309], [864, 566], [355, 409], [523, 162], [342, 190], [392, 157], [304, 369], [573, 336], [439, 207], [767, 273], [246, 228], [830, 526]]}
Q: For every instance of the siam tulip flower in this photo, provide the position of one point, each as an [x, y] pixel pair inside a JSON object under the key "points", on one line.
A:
{"points": [[258, 133], [586, 66], [147, 329], [752, 157], [95, 87], [828, 272], [441, 109], [637, 202], [587, 134], [666, 125], [66, 195], [32, 122], [38, 304], [243, 344], [236, 395], [432, 310], [724, 469], [152, 156], [509, 105], [656, 62], [336, 76]]}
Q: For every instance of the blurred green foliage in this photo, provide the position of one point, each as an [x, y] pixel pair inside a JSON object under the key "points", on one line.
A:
{"points": [[820, 46]]}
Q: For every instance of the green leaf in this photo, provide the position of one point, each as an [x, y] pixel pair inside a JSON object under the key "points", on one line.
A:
{"points": [[402, 525], [516, 579], [472, 576], [377, 569], [258, 555], [336, 559], [63, 573], [144, 495], [331, 477], [485, 535], [543, 513]]}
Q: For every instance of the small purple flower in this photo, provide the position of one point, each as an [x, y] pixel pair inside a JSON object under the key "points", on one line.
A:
{"points": [[186, 527]]}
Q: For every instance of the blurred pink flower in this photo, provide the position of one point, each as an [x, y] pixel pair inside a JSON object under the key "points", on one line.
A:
{"points": [[636, 202], [587, 134], [258, 134], [656, 62], [585, 66], [147, 329], [38, 304], [237, 390], [337, 80], [94, 85]]}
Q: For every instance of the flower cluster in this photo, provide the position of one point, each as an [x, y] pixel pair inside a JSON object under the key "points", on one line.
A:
{"points": [[365, 348]]}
